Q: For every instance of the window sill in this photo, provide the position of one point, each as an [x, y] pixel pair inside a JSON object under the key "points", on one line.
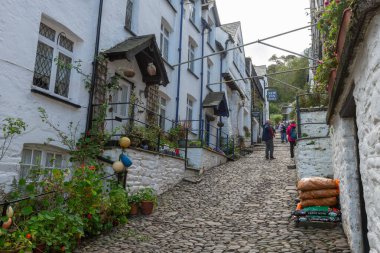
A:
{"points": [[40, 92], [167, 63], [191, 72], [172, 6], [213, 50], [130, 31], [194, 25]]}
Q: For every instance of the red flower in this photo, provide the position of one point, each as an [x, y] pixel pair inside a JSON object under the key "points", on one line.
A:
{"points": [[89, 216], [337, 1], [327, 2], [28, 236], [92, 167], [63, 249], [82, 165]]}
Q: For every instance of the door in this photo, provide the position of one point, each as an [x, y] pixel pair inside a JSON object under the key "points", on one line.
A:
{"points": [[120, 100]]}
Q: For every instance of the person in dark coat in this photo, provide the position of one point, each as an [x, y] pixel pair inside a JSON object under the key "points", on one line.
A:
{"points": [[291, 132], [268, 135]]}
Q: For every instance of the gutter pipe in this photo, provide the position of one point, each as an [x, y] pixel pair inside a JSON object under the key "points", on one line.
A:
{"points": [[94, 68], [179, 61]]}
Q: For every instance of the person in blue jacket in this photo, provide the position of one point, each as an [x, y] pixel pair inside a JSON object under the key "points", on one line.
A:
{"points": [[268, 135]]}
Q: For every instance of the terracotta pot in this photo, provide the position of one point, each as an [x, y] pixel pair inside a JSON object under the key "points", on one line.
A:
{"points": [[331, 83], [343, 29], [129, 72], [147, 207], [134, 209]]}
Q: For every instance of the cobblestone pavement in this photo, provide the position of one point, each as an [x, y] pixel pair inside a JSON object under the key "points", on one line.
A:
{"points": [[242, 206]]}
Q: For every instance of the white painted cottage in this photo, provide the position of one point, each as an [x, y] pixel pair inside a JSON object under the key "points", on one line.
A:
{"points": [[131, 34]]}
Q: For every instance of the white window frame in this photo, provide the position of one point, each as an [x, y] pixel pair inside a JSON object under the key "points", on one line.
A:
{"points": [[165, 40], [162, 107], [191, 55], [44, 151], [193, 16], [209, 70], [210, 32], [57, 49], [121, 95]]}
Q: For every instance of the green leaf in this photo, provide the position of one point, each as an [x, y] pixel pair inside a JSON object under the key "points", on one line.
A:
{"points": [[28, 210]]}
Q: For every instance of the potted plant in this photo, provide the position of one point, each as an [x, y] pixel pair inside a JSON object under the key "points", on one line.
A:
{"points": [[56, 229], [119, 207], [148, 200], [14, 242], [134, 202]]}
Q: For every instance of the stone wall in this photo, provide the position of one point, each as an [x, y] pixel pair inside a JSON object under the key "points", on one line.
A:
{"points": [[200, 158], [313, 157], [313, 152], [150, 169], [366, 76], [346, 170], [310, 126]]}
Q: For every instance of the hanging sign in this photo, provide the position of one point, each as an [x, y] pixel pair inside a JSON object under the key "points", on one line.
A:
{"points": [[272, 95]]}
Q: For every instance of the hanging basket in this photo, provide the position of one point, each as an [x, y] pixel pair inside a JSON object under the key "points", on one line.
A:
{"points": [[220, 124], [129, 72]]}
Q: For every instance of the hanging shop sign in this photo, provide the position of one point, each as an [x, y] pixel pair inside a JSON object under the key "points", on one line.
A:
{"points": [[272, 95]]}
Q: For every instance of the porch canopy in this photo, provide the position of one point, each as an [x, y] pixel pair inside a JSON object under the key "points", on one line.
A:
{"points": [[217, 101], [145, 50]]}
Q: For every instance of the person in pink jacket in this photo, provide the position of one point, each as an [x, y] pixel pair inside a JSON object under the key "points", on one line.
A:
{"points": [[291, 132]]}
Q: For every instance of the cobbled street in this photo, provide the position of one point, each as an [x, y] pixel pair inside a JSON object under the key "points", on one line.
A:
{"points": [[242, 206]]}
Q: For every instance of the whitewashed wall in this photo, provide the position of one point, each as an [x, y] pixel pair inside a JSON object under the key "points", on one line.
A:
{"points": [[346, 170], [151, 170], [366, 76], [19, 32], [201, 158]]}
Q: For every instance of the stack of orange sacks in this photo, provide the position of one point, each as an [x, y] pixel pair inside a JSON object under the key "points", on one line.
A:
{"points": [[318, 191]]}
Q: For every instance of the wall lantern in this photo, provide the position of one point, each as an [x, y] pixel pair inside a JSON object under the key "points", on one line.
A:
{"points": [[151, 69]]}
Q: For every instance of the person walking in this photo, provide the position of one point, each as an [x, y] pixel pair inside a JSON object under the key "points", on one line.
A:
{"points": [[282, 130], [291, 132], [268, 135]]}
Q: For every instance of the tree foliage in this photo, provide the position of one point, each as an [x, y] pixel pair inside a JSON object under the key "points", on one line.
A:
{"points": [[298, 78]]}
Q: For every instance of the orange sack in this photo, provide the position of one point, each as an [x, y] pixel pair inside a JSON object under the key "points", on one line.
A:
{"points": [[317, 183], [317, 194], [332, 201]]}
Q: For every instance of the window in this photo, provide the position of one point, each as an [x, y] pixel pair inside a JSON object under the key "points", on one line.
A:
{"points": [[120, 95], [35, 158], [164, 41], [191, 55], [53, 45], [128, 15], [162, 111], [189, 109]]}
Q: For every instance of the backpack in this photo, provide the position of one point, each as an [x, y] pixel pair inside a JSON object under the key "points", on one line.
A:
{"points": [[293, 133]]}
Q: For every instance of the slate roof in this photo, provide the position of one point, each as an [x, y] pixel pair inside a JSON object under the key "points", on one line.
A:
{"points": [[231, 28], [261, 70]]}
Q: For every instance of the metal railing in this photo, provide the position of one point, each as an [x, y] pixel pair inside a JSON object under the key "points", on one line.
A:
{"points": [[153, 131]]}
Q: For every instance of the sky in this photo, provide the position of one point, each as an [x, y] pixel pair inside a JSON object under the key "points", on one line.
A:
{"points": [[264, 18]]}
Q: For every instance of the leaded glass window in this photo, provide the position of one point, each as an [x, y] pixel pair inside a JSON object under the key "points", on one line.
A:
{"points": [[54, 57], [128, 15]]}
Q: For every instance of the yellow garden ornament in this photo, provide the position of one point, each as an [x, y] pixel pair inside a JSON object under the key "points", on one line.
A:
{"points": [[118, 166], [124, 142]]}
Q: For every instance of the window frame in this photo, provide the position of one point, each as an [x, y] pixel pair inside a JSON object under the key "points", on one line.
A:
{"points": [[191, 55], [165, 37], [58, 50]]}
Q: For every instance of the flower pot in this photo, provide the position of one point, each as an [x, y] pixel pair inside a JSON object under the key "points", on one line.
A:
{"points": [[331, 83], [134, 209], [343, 29], [147, 207], [220, 124]]}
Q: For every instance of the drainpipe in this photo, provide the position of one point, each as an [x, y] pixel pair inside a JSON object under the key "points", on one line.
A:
{"points": [[94, 68], [179, 61], [204, 27]]}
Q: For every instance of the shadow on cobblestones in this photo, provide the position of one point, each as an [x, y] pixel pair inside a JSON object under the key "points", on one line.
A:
{"points": [[242, 206]]}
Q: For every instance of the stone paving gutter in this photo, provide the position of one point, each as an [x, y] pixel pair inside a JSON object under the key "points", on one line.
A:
{"points": [[241, 206]]}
